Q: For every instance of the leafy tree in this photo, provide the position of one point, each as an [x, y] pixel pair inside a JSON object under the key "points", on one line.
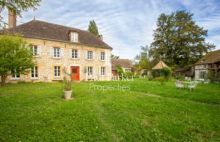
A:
{"points": [[17, 6], [178, 40], [120, 71], [143, 58], [114, 56], [93, 28], [15, 57], [166, 72]]}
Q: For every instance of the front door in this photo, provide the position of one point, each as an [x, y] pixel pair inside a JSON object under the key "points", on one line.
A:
{"points": [[75, 73]]}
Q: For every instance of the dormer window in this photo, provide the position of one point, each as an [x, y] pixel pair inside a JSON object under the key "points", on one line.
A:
{"points": [[74, 37]]}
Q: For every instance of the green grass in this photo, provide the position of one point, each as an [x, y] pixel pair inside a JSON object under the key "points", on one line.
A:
{"points": [[37, 112]]}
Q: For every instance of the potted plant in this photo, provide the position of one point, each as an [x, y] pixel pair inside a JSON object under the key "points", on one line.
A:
{"points": [[67, 86]]}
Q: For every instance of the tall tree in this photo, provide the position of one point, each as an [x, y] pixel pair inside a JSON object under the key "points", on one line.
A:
{"points": [[114, 56], [178, 40], [143, 58], [17, 6], [15, 57], [93, 28]]}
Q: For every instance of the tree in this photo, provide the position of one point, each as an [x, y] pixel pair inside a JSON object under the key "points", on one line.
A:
{"points": [[93, 28], [15, 57], [143, 58], [114, 56], [17, 6], [178, 40]]}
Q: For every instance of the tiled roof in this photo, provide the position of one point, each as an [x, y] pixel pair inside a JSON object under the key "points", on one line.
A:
{"points": [[210, 57], [124, 63], [159, 65], [44, 30]]}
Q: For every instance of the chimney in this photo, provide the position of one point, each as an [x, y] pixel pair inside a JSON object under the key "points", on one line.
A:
{"points": [[100, 37], [11, 18]]}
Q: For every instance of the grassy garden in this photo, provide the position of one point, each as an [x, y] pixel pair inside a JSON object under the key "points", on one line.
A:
{"points": [[148, 112]]}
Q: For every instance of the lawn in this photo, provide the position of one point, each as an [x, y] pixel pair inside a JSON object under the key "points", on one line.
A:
{"points": [[37, 112]]}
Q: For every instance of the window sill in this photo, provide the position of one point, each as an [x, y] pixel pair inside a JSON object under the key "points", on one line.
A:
{"points": [[56, 58], [34, 78], [90, 59], [75, 58], [14, 78]]}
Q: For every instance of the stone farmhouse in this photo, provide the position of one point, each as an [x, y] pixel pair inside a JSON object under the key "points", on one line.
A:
{"points": [[56, 47], [210, 62]]}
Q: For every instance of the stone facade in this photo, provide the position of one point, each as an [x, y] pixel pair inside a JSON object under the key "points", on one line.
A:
{"points": [[45, 62]]}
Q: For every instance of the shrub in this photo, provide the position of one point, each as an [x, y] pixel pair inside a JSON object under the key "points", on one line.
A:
{"points": [[150, 77], [179, 77], [128, 74], [145, 73], [211, 76], [120, 71], [161, 79], [137, 74], [166, 73], [154, 73]]}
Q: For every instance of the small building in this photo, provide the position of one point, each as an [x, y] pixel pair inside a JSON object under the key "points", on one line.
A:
{"points": [[125, 64], [210, 62], [159, 66]]}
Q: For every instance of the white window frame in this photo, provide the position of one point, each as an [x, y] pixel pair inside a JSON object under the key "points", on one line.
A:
{"points": [[90, 55], [103, 71], [75, 54], [56, 52], [102, 56], [34, 72], [15, 77], [35, 50], [57, 71], [74, 37], [90, 71]]}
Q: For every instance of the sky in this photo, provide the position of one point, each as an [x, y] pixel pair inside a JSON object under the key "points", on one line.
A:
{"points": [[126, 25]]}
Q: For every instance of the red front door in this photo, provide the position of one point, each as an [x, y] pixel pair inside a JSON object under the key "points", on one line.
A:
{"points": [[75, 73]]}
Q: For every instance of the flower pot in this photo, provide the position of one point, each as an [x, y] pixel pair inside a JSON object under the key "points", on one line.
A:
{"points": [[67, 95]]}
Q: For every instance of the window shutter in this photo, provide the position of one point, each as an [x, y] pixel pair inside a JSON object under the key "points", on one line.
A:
{"points": [[51, 52], [39, 50], [86, 52], [78, 54], [61, 53], [70, 53]]}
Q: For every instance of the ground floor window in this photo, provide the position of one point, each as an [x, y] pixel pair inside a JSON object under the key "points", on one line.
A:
{"points": [[34, 72], [90, 70], [57, 71], [14, 75], [202, 74], [102, 71]]}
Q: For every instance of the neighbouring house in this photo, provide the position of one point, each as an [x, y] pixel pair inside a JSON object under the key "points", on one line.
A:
{"points": [[56, 47], [186, 71], [159, 65], [125, 64], [210, 62]]}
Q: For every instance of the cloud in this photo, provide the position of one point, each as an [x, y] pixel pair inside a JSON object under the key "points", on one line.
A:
{"points": [[125, 25]]}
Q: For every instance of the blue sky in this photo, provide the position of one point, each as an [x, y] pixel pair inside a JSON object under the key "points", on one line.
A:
{"points": [[125, 24]]}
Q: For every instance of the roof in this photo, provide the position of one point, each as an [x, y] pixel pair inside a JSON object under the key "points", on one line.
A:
{"points": [[124, 63], [159, 65], [211, 57], [49, 31]]}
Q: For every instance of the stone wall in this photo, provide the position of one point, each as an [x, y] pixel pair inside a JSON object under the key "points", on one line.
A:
{"points": [[46, 63]]}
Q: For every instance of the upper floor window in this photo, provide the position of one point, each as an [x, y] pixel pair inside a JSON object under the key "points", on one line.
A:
{"points": [[102, 56], [34, 72], [74, 37], [74, 54], [57, 71], [14, 75], [90, 55], [36, 50], [56, 52]]}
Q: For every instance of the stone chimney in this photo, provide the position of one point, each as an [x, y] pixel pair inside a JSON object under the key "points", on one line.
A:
{"points": [[100, 37], [11, 19]]}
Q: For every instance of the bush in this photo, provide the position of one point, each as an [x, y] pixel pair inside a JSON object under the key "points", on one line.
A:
{"points": [[154, 73], [128, 74], [150, 77], [211, 76], [179, 77], [145, 73], [161, 79], [166, 72], [137, 74], [120, 71]]}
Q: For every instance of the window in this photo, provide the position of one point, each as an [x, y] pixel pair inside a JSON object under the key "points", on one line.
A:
{"points": [[89, 70], [57, 71], [56, 52], [102, 71], [14, 75], [90, 55], [74, 37], [204, 66], [34, 72], [34, 49], [202, 74], [74, 54], [102, 56]]}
